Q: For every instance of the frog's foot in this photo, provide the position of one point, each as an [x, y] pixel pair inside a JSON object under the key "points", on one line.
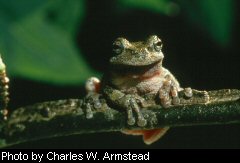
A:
{"points": [[141, 121], [168, 94], [192, 96], [132, 105], [201, 96], [91, 102], [89, 112]]}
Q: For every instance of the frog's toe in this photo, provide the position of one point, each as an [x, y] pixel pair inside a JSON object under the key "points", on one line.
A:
{"points": [[97, 105], [166, 102], [188, 92], [176, 101], [142, 122], [89, 113], [131, 121]]}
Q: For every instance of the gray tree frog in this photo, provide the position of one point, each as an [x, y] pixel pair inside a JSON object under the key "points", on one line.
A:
{"points": [[136, 80]]}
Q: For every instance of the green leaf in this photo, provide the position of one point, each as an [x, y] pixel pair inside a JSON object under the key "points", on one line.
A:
{"points": [[68, 15], [214, 16], [159, 6], [17, 9], [35, 48]]}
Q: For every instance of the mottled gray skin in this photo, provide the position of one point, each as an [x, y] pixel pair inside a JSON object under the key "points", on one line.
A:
{"points": [[137, 79]]}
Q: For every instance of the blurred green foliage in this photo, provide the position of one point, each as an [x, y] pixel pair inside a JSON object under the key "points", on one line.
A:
{"points": [[38, 38], [215, 16], [166, 7]]}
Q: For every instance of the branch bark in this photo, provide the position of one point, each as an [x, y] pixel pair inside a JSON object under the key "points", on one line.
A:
{"points": [[67, 117]]}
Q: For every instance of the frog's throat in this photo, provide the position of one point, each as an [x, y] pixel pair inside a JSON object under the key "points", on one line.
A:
{"points": [[140, 73], [149, 75], [152, 72]]}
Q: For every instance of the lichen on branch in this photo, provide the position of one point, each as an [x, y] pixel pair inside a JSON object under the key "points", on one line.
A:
{"points": [[67, 117]]}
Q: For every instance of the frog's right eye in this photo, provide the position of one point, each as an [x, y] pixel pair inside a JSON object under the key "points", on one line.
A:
{"points": [[117, 47], [158, 45]]}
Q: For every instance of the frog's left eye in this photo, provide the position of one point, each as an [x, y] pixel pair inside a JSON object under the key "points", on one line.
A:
{"points": [[158, 45], [117, 47]]}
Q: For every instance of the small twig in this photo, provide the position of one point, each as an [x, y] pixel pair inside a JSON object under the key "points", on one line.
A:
{"points": [[66, 117]]}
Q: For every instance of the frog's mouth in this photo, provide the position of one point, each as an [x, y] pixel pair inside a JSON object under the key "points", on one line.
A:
{"points": [[140, 72]]}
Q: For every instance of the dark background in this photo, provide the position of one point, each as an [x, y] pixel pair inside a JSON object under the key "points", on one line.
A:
{"points": [[191, 54]]}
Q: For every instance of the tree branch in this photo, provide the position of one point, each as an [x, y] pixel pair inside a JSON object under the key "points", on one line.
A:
{"points": [[67, 117]]}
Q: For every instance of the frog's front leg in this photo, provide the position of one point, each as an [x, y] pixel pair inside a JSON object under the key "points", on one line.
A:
{"points": [[170, 90], [134, 104], [168, 93], [92, 99], [129, 102]]}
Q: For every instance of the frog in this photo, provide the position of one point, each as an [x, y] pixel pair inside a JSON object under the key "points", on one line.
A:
{"points": [[137, 80]]}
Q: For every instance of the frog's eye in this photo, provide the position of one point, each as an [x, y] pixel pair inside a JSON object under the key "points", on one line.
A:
{"points": [[154, 43], [117, 47], [158, 45]]}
